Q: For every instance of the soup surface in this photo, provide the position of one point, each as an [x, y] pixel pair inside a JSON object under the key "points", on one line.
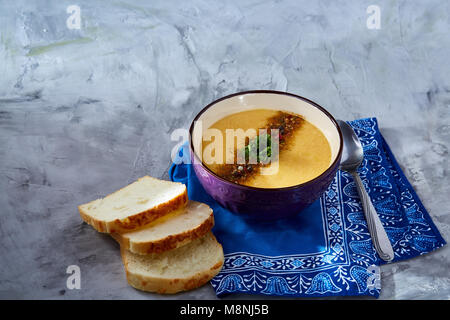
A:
{"points": [[304, 152]]}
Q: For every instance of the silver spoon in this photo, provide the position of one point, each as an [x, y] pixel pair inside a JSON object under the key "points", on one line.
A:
{"points": [[352, 157]]}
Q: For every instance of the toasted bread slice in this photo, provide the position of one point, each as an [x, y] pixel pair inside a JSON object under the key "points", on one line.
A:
{"points": [[184, 268], [170, 231], [135, 205]]}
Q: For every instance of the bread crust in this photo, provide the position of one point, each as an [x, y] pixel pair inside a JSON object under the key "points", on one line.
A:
{"points": [[173, 285], [168, 243], [138, 220]]}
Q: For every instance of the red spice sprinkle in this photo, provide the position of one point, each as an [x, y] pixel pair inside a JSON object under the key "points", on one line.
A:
{"points": [[286, 123]]}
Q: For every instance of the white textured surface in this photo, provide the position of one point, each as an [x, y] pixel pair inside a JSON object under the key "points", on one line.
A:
{"points": [[83, 112]]}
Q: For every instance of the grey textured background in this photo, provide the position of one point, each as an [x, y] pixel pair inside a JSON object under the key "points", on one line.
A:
{"points": [[84, 112]]}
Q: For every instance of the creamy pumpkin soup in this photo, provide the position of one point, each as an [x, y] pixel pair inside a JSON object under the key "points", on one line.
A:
{"points": [[295, 149]]}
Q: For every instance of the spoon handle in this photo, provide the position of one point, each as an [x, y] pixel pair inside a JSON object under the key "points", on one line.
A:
{"points": [[380, 239]]}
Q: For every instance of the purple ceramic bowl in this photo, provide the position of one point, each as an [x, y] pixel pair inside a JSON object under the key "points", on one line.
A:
{"points": [[262, 203]]}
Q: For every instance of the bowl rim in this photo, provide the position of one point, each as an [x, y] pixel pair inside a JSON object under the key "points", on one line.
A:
{"points": [[237, 185]]}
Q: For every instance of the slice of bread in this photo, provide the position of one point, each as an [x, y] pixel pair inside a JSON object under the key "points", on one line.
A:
{"points": [[135, 205], [170, 231], [184, 268]]}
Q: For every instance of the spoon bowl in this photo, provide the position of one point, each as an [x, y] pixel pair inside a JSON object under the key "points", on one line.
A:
{"points": [[352, 153]]}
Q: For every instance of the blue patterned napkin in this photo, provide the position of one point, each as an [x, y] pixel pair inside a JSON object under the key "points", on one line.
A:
{"points": [[326, 250]]}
